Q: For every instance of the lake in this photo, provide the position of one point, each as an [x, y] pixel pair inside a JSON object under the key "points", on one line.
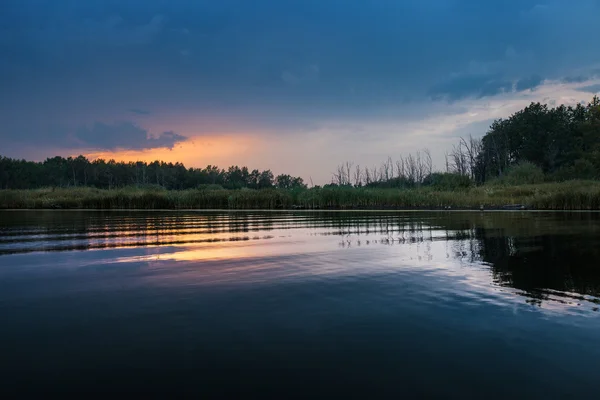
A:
{"points": [[307, 304]]}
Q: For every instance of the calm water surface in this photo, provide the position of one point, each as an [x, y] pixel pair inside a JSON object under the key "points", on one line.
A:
{"points": [[453, 305]]}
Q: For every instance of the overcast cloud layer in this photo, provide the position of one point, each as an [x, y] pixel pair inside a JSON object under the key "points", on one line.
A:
{"points": [[108, 75]]}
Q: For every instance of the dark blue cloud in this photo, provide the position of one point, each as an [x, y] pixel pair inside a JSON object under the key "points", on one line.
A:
{"points": [[576, 79], [123, 135], [529, 83], [464, 86], [308, 59], [591, 88], [481, 85], [139, 111]]}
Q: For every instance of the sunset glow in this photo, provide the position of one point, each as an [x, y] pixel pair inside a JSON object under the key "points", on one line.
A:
{"points": [[157, 82], [194, 152]]}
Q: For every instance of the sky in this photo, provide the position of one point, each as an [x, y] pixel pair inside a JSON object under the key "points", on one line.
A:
{"points": [[295, 86]]}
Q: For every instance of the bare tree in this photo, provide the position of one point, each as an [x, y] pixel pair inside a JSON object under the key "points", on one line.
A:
{"points": [[400, 170], [459, 160], [428, 162], [339, 176], [414, 168], [382, 172], [472, 147], [447, 156], [389, 169], [348, 172], [411, 168], [357, 176], [462, 159], [420, 170], [375, 175], [368, 177], [343, 174]]}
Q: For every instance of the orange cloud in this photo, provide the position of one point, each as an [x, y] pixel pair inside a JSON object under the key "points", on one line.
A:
{"points": [[197, 151]]}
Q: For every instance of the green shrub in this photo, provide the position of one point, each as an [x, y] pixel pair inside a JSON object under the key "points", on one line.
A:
{"points": [[523, 173], [580, 169], [447, 181], [210, 186]]}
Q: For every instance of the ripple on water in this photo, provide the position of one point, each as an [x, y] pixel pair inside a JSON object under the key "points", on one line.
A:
{"points": [[447, 304]]}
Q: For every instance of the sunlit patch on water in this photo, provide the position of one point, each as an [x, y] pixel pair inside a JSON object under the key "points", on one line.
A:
{"points": [[502, 253]]}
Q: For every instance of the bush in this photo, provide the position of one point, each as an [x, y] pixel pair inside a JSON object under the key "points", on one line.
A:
{"points": [[581, 169], [524, 173], [398, 182], [210, 186], [447, 181]]}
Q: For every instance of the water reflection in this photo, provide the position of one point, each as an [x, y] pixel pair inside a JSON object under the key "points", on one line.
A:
{"points": [[549, 258], [413, 304]]}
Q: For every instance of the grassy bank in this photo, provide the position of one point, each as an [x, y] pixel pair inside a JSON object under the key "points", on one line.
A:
{"points": [[571, 195]]}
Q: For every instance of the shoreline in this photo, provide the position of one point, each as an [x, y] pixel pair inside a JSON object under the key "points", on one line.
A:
{"points": [[563, 196], [285, 210]]}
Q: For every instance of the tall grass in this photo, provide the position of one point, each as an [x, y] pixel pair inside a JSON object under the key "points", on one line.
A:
{"points": [[570, 195]]}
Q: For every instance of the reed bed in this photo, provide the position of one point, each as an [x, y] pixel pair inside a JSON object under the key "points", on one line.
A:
{"points": [[570, 195]]}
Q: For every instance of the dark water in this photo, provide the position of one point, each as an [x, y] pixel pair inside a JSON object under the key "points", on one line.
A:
{"points": [[378, 305]]}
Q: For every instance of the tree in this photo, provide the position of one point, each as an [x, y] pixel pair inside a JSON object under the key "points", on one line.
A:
{"points": [[265, 179], [553, 139], [285, 181], [79, 171]]}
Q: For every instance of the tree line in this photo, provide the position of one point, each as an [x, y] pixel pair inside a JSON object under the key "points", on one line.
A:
{"points": [[79, 171], [550, 143], [563, 142]]}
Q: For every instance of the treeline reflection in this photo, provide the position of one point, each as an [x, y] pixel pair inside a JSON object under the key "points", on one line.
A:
{"points": [[539, 254]]}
